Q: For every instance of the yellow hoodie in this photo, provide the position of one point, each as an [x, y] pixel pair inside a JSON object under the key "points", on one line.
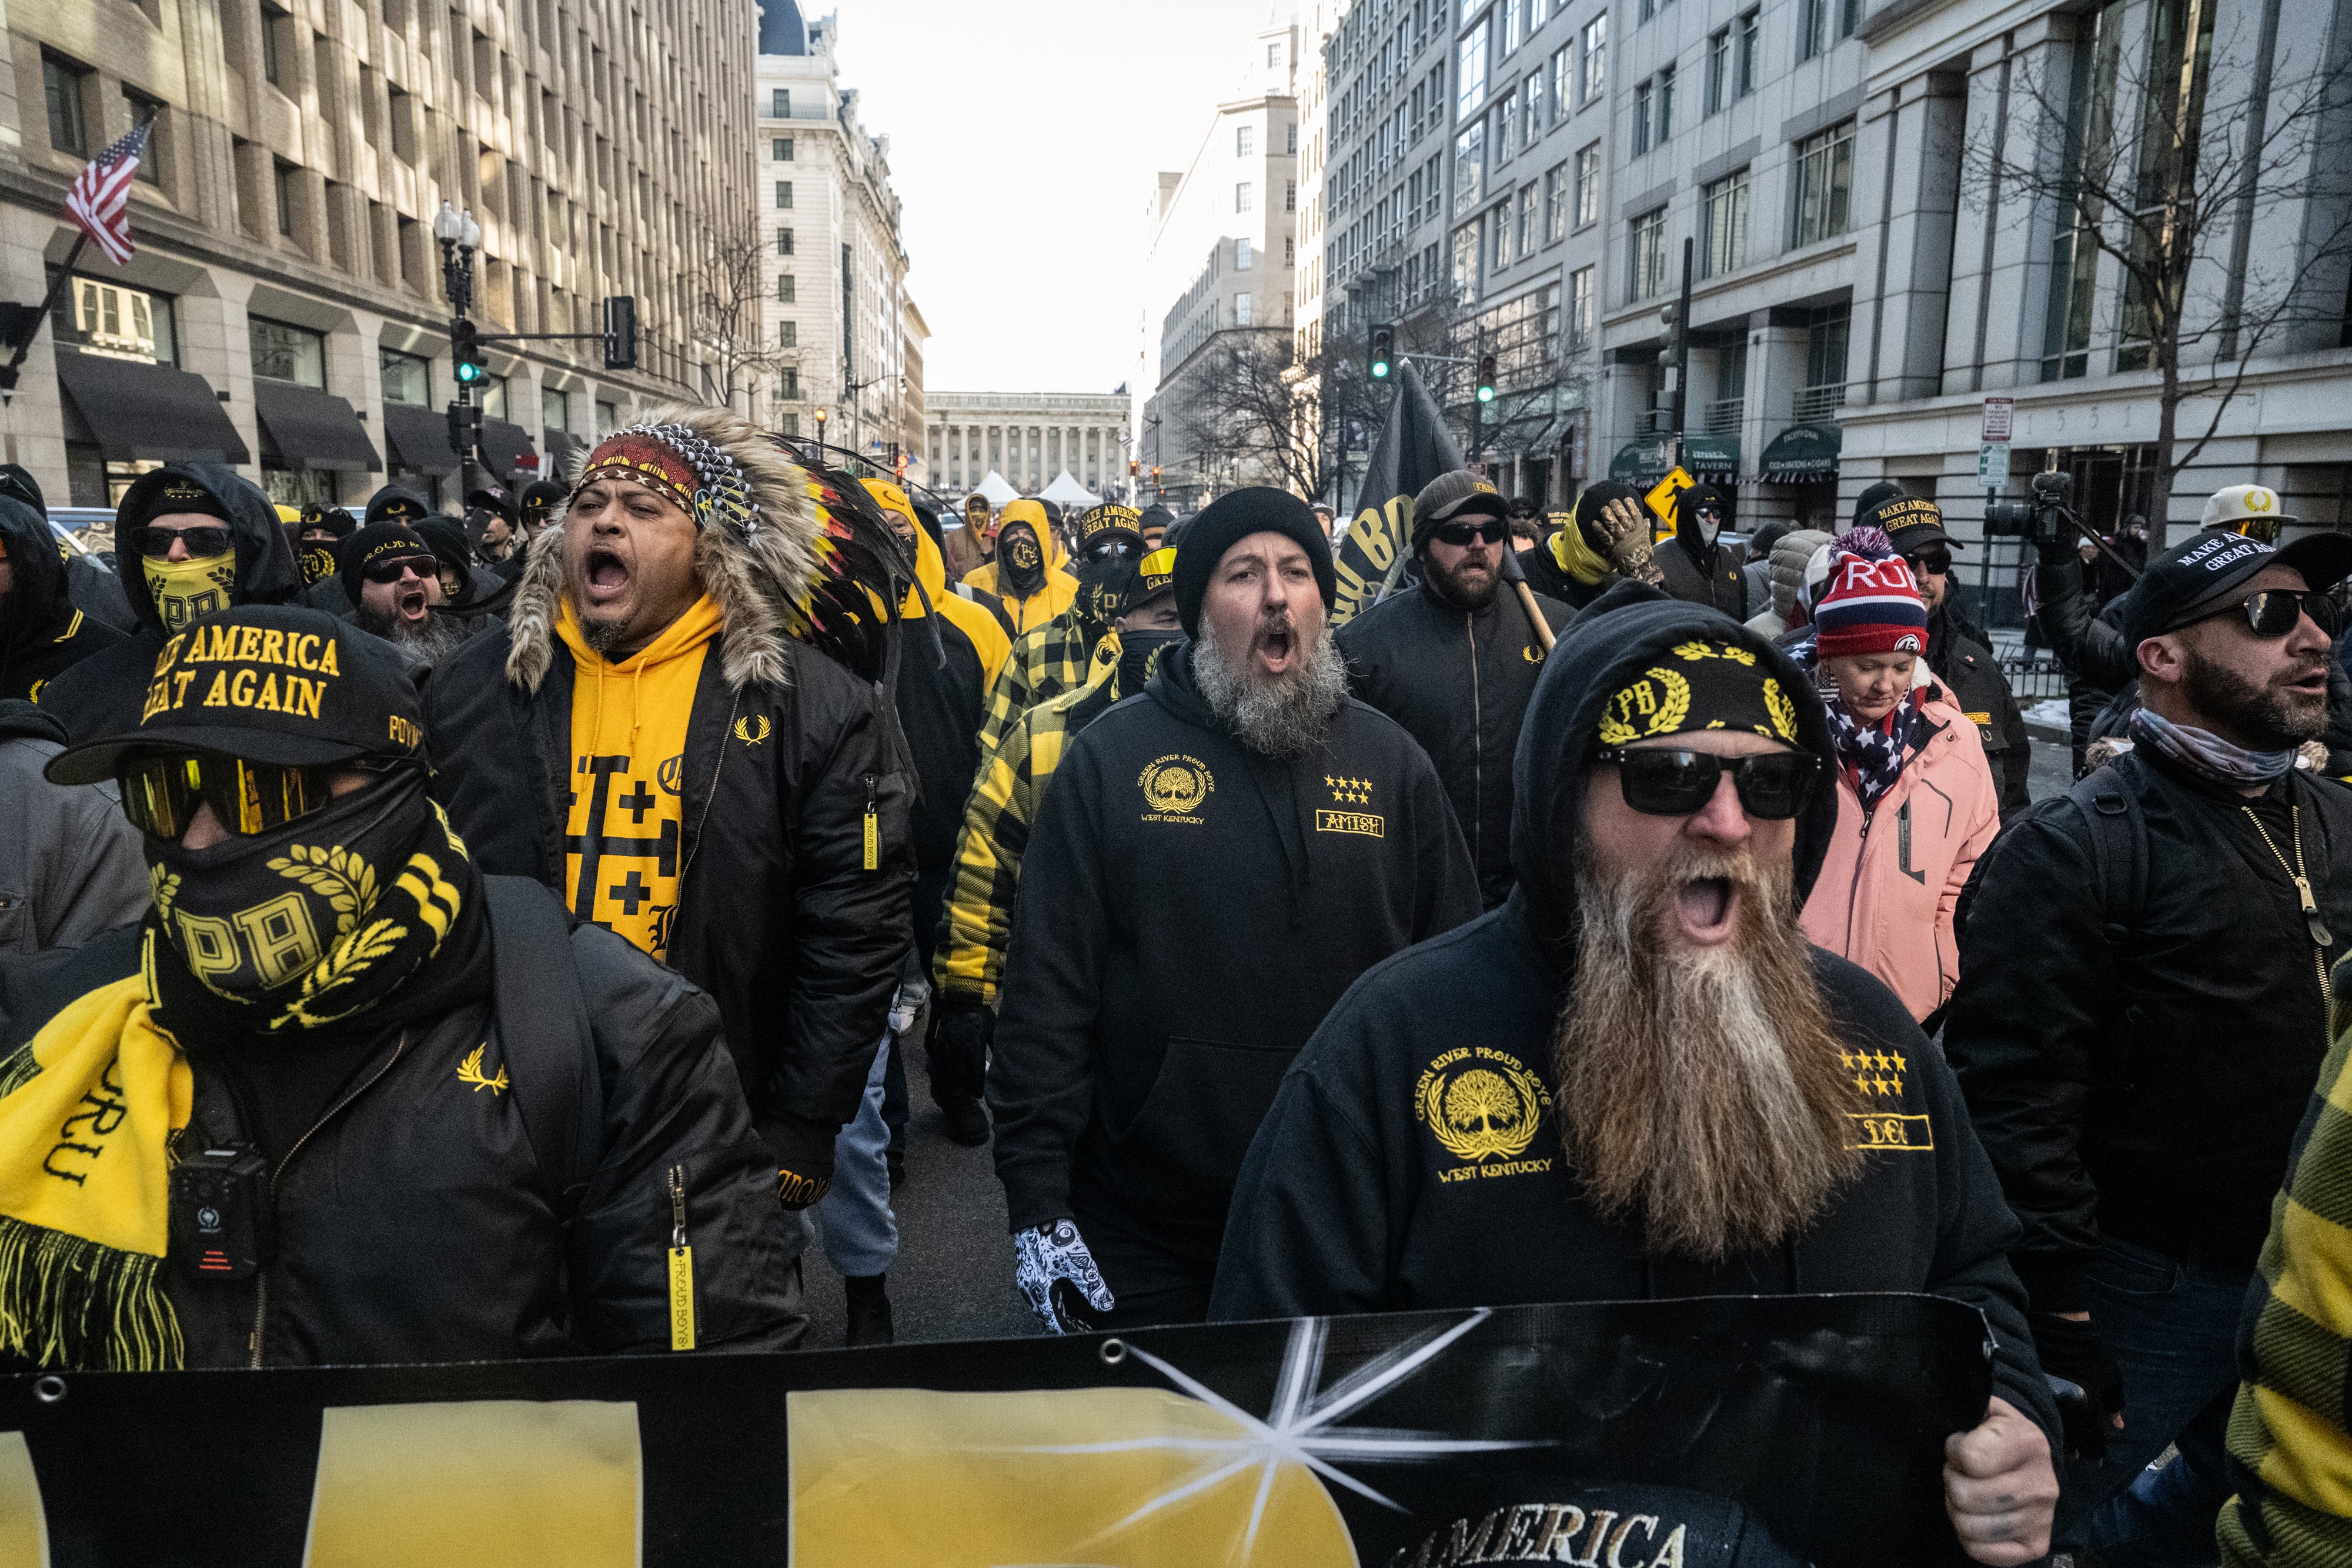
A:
{"points": [[628, 742], [1059, 588], [988, 638]]}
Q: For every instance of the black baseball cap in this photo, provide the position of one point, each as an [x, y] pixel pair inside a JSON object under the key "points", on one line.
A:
{"points": [[267, 683], [2194, 578], [1913, 522], [491, 498], [1449, 495], [543, 495]]}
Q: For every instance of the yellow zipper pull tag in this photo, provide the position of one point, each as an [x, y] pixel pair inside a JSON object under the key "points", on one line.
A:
{"points": [[681, 1266], [873, 829]]}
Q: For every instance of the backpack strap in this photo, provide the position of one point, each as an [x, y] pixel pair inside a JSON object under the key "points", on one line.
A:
{"points": [[2109, 800], [545, 1036]]}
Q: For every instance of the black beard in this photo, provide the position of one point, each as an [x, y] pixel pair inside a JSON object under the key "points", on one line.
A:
{"points": [[1279, 716], [2264, 718], [1452, 588]]}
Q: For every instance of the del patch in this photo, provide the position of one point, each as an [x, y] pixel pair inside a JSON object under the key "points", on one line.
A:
{"points": [[1484, 1107], [1886, 1125]]}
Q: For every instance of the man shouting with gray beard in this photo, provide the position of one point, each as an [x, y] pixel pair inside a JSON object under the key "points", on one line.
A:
{"points": [[1635, 1078], [1218, 858]]}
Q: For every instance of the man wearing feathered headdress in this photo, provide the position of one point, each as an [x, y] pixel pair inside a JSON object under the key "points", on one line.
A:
{"points": [[645, 736]]}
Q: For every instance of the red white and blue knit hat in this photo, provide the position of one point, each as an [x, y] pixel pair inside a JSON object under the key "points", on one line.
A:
{"points": [[1869, 603]]}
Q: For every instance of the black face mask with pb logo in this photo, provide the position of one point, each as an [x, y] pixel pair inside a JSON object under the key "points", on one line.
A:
{"points": [[1021, 561]]}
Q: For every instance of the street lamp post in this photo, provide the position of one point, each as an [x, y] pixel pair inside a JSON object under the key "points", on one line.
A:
{"points": [[459, 235]]}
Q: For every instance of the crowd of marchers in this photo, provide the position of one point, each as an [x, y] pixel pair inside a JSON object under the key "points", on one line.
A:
{"points": [[557, 892]]}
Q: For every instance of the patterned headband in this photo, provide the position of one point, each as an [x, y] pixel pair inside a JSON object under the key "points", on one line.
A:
{"points": [[671, 460]]}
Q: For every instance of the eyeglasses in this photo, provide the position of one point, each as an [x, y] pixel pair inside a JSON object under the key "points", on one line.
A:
{"points": [[1933, 561], [155, 543], [1661, 781], [1716, 512], [2275, 611], [2265, 530], [1113, 549], [425, 566], [1484, 532], [161, 792]]}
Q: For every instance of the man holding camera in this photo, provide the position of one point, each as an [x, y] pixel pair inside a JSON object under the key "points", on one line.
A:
{"points": [[2142, 1010]]}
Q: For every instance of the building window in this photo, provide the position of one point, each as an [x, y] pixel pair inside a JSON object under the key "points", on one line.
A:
{"points": [[1289, 251], [1743, 62], [1245, 140], [123, 323], [1648, 256], [1718, 74], [1665, 106], [1588, 185], [787, 291], [1640, 119], [1506, 127], [1241, 311], [788, 334], [1823, 23], [274, 24], [285, 353], [1593, 59], [608, 419], [1470, 76], [1290, 136], [1555, 203], [407, 378], [1240, 256], [1824, 183], [554, 409], [1290, 196], [788, 384], [1498, 238], [779, 103], [791, 424], [2074, 253], [1465, 263], [1273, 57], [282, 178], [1527, 241], [1244, 198], [149, 111], [780, 149], [1531, 99], [1726, 224], [1825, 346], [1470, 167], [1514, 24], [783, 242], [784, 195], [491, 393], [1579, 308], [62, 80]]}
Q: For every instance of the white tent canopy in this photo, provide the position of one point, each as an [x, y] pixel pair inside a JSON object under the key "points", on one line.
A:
{"points": [[997, 490], [1066, 491]]}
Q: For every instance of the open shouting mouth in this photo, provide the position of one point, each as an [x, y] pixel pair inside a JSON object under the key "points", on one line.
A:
{"points": [[1275, 648], [607, 575], [411, 603], [1709, 908]]}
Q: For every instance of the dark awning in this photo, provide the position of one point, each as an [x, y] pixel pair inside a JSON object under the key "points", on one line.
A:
{"points": [[302, 428], [1643, 459], [416, 440], [1714, 458], [1801, 454], [501, 444], [131, 409]]}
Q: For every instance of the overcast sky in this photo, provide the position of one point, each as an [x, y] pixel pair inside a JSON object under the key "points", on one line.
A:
{"points": [[1024, 138]]}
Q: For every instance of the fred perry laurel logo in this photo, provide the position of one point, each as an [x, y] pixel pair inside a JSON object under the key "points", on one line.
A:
{"points": [[470, 1071], [753, 730]]}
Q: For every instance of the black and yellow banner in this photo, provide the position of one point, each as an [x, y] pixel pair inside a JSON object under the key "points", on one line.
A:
{"points": [[1412, 449], [1735, 1433]]}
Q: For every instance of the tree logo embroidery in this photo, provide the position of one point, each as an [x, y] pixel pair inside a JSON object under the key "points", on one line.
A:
{"points": [[1482, 1105], [1174, 787]]}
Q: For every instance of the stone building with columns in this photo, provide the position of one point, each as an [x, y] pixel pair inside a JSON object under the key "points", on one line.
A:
{"points": [[285, 311], [1026, 437]]}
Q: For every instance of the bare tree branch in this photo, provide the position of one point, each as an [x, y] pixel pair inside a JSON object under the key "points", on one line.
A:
{"points": [[730, 289]]}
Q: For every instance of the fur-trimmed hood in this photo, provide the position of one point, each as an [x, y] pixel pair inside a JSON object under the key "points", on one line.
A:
{"points": [[756, 575]]}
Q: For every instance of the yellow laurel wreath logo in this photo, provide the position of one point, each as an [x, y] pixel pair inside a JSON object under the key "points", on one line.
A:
{"points": [[166, 886], [1662, 716], [753, 730], [470, 1071], [1690, 652], [1739, 655], [1483, 1112], [1675, 708], [346, 880], [2259, 500], [1173, 787], [1783, 711], [345, 962]]}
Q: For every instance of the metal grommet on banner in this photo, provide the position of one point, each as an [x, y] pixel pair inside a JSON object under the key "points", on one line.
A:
{"points": [[50, 1389], [1113, 1351]]}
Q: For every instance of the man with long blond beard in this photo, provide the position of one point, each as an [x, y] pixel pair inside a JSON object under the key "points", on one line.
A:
{"points": [[1636, 1070], [1243, 821]]}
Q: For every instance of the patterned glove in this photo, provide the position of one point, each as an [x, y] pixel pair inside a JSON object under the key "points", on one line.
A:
{"points": [[1057, 1272], [1628, 531], [796, 1192]]}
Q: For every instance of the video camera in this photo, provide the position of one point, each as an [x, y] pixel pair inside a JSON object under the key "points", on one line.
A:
{"points": [[2044, 518]]}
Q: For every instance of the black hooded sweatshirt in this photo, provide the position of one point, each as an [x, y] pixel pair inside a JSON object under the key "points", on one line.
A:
{"points": [[1350, 1202], [1189, 910], [101, 694], [1697, 571], [1458, 681], [42, 633]]}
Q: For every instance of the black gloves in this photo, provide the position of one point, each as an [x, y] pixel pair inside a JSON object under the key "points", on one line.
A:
{"points": [[2084, 1375], [959, 1041]]}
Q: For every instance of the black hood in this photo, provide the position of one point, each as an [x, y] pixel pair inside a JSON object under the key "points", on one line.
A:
{"points": [[1623, 632], [21, 720], [38, 602], [265, 568], [1687, 506]]}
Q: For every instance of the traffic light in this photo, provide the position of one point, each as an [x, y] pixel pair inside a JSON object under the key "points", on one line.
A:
{"points": [[1131, 467], [466, 352], [1155, 475], [1381, 353], [464, 428], [1485, 378], [621, 332]]}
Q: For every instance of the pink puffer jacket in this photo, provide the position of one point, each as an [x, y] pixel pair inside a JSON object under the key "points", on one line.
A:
{"points": [[1885, 895]]}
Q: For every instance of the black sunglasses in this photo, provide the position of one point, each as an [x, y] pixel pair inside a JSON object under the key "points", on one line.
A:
{"points": [[1661, 781], [1484, 532], [1113, 549], [1935, 561], [162, 792], [2274, 612], [155, 543], [2265, 529], [425, 566]]}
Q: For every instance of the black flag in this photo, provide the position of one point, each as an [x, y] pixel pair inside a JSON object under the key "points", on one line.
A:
{"points": [[1413, 449]]}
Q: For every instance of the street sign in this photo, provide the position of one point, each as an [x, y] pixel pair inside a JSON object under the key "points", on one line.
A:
{"points": [[1992, 462], [1660, 498], [1999, 412]]}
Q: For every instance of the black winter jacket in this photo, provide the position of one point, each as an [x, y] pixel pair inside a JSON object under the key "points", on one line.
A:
{"points": [[416, 1221], [2141, 1071], [1698, 572], [44, 632], [1458, 682], [778, 917], [1962, 659], [942, 699], [1189, 910], [101, 694], [1360, 1195]]}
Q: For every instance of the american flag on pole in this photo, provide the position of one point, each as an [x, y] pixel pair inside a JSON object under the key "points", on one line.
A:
{"points": [[100, 201]]}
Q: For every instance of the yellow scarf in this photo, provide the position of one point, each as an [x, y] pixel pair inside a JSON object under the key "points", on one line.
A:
{"points": [[623, 831], [89, 1110], [185, 591], [1576, 557]]}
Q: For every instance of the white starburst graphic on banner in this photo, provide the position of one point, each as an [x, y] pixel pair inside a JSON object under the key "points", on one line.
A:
{"points": [[1298, 1429]]}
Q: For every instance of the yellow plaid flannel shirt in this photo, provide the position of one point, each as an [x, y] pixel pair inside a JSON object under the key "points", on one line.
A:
{"points": [[1046, 661]]}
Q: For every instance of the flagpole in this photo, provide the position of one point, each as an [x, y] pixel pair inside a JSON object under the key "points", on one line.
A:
{"points": [[48, 303]]}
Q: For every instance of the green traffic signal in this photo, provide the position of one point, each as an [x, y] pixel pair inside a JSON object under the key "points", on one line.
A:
{"points": [[1486, 378], [1379, 350]]}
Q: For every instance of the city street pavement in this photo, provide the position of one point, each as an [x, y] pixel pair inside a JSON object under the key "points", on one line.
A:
{"points": [[953, 1278], [2052, 772]]}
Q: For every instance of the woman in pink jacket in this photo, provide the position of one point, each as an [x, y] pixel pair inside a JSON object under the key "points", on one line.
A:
{"points": [[1917, 802]]}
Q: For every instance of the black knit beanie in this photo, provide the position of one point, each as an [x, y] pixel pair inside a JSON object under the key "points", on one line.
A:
{"points": [[1226, 521]]}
